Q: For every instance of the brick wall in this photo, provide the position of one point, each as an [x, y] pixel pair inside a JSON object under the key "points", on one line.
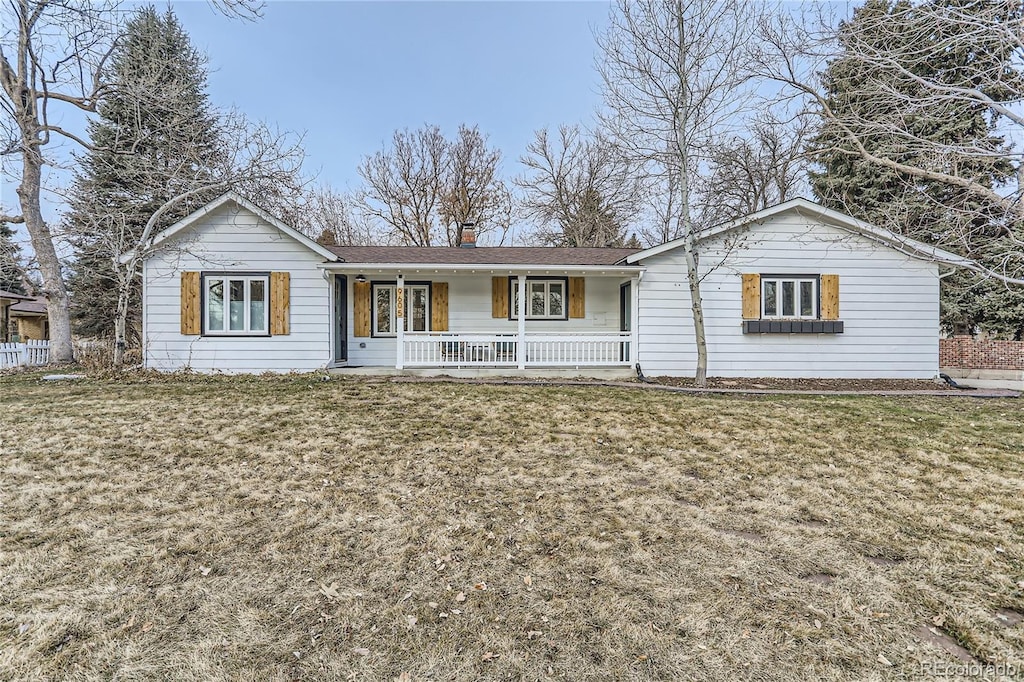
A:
{"points": [[970, 353]]}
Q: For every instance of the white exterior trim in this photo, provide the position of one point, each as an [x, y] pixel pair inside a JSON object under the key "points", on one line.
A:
{"points": [[480, 268], [906, 245], [232, 197]]}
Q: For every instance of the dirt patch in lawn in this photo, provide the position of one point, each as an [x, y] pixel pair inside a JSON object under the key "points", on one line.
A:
{"points": [[309, 528], [939, 638], [1009, 617], [819, 578]]}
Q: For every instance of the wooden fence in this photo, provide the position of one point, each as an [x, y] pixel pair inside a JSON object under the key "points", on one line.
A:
{"points": [[28, 354]]}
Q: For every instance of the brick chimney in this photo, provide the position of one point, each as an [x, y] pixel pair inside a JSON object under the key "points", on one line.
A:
{"points": [[468, 235]]}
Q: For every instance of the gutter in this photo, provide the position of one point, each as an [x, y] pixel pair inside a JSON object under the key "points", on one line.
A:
{"points": [[482, 268]]}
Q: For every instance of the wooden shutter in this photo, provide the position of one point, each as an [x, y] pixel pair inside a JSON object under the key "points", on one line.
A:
{"points": [[499, 297], [361, 308], [191, 308], [830, 297], [439, 306], [751, 297], [577, 298], [280, 303]]}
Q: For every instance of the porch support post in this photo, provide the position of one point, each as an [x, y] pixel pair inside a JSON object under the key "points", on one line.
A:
{"points": [[399, 322], [634, 320], [521, 339]]}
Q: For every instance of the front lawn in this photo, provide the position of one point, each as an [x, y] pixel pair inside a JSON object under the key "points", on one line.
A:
{"points": [[296, 528]]}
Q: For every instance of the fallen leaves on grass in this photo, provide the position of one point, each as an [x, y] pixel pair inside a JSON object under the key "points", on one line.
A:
{"points": [[497, 501]]}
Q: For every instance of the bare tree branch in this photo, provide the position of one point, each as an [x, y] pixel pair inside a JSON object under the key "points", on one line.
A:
{"points": [[579, 188]]}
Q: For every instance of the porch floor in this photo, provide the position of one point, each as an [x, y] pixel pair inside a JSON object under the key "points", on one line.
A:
{"points": [[610, 373]]}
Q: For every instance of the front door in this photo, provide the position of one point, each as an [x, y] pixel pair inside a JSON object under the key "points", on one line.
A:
{"points": [[340, 318], [625, 316]]}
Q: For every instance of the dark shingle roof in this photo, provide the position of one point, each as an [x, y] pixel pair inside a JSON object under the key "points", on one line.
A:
{"points": [[482, 255], [35, 306], [11, 296]]}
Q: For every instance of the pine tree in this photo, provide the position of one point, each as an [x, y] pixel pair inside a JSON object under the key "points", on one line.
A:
{"points": [[928, 211], [10, 261], [154, 138]]}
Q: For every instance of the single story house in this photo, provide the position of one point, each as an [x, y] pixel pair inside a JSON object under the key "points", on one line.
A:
{"points": [[8, 327], [795, 290], [30, 320]]}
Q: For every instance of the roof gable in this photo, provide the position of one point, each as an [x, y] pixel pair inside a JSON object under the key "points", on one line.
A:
{"points": [[232, 197], [805, 207]]}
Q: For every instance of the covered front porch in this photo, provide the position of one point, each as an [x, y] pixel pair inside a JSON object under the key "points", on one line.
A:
{"points": [[576, 319], [526, 351]]}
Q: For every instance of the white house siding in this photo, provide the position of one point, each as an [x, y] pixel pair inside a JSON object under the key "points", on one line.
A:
{"points": [[233, 239], [889, 304], [469, 311]]}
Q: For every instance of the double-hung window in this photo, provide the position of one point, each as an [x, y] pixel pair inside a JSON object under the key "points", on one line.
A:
{"points": [[235, 304], [789, 297], [546, 299], [385, 308]]}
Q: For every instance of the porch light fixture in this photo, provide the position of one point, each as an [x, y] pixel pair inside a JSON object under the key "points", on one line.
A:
{"points": [[360, 278]]}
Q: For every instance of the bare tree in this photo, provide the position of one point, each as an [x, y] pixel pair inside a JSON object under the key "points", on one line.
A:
{"points": [[327, 216], [579, 188], [748, 173], [256, 161], [472, 189], [403, 185], [52, 54], [425, 187], [674, 74], [919, 62]]}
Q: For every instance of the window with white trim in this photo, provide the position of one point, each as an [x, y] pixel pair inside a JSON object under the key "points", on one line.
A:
{"points": [[385, 314], [235, 304], [789, 298], [546, 299]]}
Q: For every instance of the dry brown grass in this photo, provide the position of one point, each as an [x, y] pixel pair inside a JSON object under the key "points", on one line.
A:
{"points": [[290, 528]]}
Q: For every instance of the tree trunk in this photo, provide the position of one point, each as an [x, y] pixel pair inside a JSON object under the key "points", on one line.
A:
{"points": [[121, 323], [700, 379], [56, 294]]}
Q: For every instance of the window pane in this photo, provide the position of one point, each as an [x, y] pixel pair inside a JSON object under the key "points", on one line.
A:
{"points": [[236, 302], [807, 299], [771, 291], [215, 305], [384, 310], [537, 299], [418, 308], [788, 299], [257, 305], [515, 299], [555, 299]]}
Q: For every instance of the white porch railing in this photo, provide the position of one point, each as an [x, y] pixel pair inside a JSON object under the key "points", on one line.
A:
{"points": [[28, 354], [443, 349]]}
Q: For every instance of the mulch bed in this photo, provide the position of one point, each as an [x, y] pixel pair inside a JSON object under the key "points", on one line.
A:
{"points": [[811, 384]]}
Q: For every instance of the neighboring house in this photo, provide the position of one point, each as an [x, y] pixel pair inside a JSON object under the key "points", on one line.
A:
{"points": [[8, 299], [29, 320], [792, 291]]}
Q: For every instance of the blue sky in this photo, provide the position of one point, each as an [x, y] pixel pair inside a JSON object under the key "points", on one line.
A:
{"points": [[348, 74]]}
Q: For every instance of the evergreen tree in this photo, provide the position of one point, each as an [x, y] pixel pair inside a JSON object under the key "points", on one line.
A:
{"points": [[155, 137], [929, 211], [10, 261]]}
